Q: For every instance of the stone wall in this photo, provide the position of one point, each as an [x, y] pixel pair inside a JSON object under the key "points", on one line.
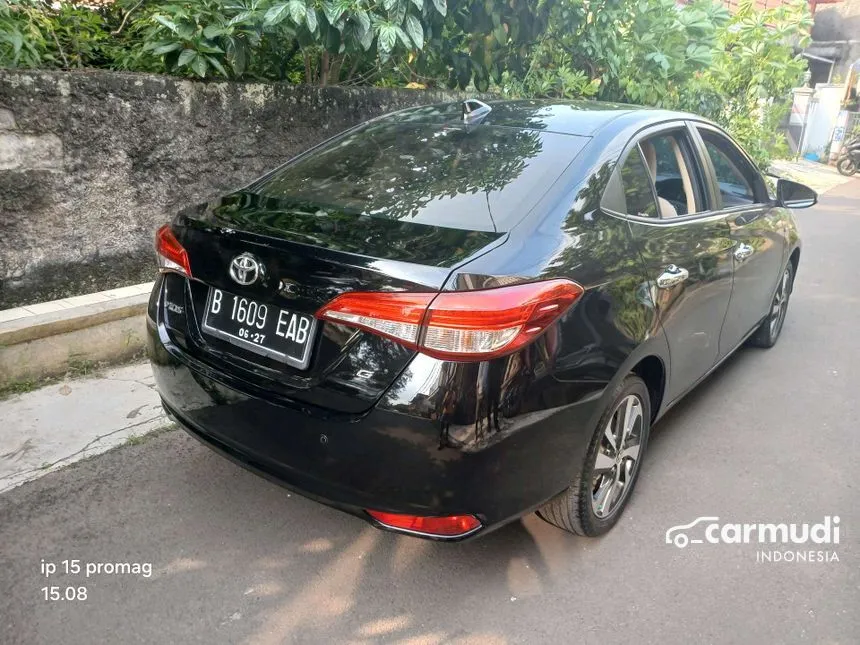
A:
{"points": [[91, 163]]}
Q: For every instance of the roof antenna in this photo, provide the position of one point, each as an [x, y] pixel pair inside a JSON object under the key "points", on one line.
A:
{"points": [[475, 111]]}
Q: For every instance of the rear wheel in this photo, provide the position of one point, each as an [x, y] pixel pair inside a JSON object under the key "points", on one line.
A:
{"points": [[846, 166], [603, 484], [768, 332]]}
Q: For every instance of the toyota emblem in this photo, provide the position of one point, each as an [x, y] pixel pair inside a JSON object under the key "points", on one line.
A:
{"points": [[245, 269]]}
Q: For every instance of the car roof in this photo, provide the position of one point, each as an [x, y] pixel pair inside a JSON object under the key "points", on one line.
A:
{"points": [[581, 118]]}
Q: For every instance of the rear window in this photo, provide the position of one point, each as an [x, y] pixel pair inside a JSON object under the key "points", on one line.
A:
{"points": [[479, 178]]}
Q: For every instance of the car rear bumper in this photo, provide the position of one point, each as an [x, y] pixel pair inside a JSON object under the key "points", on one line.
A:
{"points": [[383, 460]]}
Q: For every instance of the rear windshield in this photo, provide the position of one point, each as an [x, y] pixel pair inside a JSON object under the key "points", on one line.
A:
{"points": [[479, 178]]}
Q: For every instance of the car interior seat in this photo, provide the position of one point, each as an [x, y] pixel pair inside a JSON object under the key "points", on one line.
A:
{"points": [[667, 210]]}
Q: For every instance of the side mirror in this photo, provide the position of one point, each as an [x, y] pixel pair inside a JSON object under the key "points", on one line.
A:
{"points": [[794, 195]]}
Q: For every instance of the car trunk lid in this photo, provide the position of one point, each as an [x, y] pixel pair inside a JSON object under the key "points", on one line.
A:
{"points": [[307, 261]]}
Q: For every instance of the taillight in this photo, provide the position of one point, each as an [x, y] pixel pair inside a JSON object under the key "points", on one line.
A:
{"points": [[458, 325], [395, 315], [449, 526], [171, 255]]}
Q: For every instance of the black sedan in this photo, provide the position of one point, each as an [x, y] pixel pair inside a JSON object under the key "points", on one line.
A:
{"points": [[453, 315]]}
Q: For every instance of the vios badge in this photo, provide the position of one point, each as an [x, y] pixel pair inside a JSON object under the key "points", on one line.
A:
{"points": [[245, 269]]}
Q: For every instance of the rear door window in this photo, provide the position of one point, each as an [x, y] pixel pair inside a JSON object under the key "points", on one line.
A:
{"points": [[479, 178], [670, 162], [636, 181]]}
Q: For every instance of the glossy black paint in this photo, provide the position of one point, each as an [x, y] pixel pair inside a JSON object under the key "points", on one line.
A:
{"points": [[371, 424]]}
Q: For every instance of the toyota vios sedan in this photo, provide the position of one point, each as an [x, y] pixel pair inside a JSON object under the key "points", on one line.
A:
{"points": [[451, 316]]}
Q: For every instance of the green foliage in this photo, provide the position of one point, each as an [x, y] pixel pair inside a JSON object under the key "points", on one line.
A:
{"points": [[22, 43], [363, 33], [550, 75], [481, 39], [754, 69], [735, 69], [205, 37], [638, 51], [36, 34], [738, 69]]}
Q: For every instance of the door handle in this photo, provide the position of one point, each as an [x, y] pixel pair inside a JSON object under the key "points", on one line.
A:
{"points": [[743, 251], [672, 275]]}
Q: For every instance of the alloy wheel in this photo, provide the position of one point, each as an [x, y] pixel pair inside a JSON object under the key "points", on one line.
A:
{"points": [[617, 457], [780, 304]]}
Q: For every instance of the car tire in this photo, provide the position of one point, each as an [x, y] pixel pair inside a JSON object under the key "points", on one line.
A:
{"points": [[770, 328], [577, 509]]}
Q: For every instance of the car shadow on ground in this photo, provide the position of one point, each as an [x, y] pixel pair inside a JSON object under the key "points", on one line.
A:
{"points": [[324, 579]]}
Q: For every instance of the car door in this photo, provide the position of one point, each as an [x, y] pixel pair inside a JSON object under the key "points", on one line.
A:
{"points": [[685, 247], [756, 227]]}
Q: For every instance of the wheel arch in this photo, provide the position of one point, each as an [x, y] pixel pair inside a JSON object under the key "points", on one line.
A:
{"points": [[794, 258], [650, 361], [652, 370]]}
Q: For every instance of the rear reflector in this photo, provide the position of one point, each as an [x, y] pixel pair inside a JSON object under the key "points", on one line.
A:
{"points": [[448, 526], [171, 255], [458, 325]]}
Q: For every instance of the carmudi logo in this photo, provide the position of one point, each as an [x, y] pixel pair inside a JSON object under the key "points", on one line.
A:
{"points": [[777, 538]]}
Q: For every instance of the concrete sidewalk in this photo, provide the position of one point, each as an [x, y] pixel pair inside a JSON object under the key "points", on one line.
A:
{"points": [[49, 339], [818, 176], [59, 424]]}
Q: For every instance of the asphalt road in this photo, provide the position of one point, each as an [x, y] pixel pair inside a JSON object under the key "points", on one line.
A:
{"points": [[773, 436]]}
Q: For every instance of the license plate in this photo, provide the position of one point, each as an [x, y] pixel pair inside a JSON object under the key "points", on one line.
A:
{"points": [[264, 329]]}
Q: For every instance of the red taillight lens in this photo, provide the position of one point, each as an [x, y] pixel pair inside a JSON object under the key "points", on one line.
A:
{"points": [[447, 526], [171, 255], [458, 325], [491, 323]]}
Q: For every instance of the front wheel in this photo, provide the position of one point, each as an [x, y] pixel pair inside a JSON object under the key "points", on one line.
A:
{"points": [[768, 332], [593, 502], [846, 166]]}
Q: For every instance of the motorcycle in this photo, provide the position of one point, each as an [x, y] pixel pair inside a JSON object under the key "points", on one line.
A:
{"points": [[848, 161]]}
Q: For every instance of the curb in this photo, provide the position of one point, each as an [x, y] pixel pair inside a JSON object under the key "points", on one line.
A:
{"points": [[49, 338]]}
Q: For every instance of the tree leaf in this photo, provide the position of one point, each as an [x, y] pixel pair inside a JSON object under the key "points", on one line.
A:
{"points": [[186, 30], [387, 38], [362, 18], [185, 57], [163, 49], [17, 41], [276, 14], [404, 37], [244, 16], [217, 65], [415, 30], [333, 11], [213, 31], [207, 48], [166, 22], [500, 35], [482, 81], [365, 38], [200, 66], [441, 6], [311, 19], [298, 11], [237, 57]]}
